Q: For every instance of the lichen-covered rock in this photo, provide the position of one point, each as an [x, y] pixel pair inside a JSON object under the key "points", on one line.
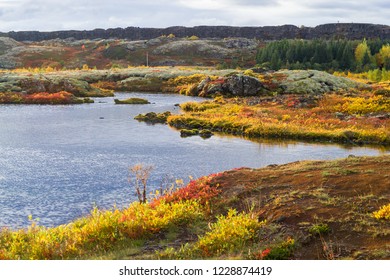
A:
{"points": [[309, 82], [205, 48], [42, 83], [152, 84], [234, 85]]}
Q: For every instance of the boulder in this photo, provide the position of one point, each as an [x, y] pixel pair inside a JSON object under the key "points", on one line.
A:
{"points": [[234, 85]]}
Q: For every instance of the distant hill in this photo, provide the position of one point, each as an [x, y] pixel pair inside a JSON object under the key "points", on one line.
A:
{"points": [[326, 31]]}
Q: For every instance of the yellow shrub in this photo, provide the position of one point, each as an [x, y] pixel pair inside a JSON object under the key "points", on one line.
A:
{"points": [[185, 80], [193, 38], [383, 212], [142, 219], [99, 231], [249, 72], [361, 105], [229, 233]]}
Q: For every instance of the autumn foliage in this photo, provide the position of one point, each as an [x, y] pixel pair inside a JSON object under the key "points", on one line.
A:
{"points": [[61, 97], [44, 98], [202, 190]]}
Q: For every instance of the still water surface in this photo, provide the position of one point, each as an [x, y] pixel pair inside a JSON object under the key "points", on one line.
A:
{"points": [[57, 162]]}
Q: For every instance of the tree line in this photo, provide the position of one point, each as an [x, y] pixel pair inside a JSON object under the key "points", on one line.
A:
{"points": [[327, 55]]}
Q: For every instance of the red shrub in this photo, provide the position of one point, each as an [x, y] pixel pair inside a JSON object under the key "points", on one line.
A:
{"points": [[200, 189]]}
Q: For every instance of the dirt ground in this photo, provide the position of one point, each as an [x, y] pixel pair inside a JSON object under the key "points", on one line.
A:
{"points": [[295, 197]]}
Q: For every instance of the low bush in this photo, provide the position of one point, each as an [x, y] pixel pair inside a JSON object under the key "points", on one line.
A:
{"points": [[202, 190], [282, 251], [231, 232]]}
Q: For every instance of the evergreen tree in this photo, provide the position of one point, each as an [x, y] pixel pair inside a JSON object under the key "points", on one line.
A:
{"points": [[344, 55]]}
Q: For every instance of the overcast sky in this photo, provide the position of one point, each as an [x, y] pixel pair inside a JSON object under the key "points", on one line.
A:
{"points": [[49, 15]]}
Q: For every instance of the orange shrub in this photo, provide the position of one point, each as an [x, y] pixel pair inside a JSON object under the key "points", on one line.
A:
{"points": [[61, 97]]}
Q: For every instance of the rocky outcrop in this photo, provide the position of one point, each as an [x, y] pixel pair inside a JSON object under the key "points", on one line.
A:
{"points": [[326, 31], [8, 55], [308, 82], [234, 85], [193, 48]]}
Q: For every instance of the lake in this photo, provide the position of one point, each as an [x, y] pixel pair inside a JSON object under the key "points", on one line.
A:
{"points": [[58, 162]]}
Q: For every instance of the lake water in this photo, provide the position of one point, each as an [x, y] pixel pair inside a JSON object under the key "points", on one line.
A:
{"points": [[57, 162]]}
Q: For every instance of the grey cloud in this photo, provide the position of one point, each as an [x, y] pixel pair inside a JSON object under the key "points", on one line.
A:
{"points": [[260, 3], [90, 14], [349, 5]]}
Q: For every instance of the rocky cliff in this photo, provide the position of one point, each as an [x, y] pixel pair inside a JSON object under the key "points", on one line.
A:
{"points": [[326, 31]]}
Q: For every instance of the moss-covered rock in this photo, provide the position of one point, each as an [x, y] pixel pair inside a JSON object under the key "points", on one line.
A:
{"points": [[188, 132], [133, 100], [205, 133], [153, 117]]}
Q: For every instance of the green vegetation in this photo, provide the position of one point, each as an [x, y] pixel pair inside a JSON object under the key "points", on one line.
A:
{"points": [[133, 100], [329, 55], [319, 229], [282, 251]]}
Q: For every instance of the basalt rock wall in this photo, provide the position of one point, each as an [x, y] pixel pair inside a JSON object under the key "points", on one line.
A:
{"points": [[325, 31]]}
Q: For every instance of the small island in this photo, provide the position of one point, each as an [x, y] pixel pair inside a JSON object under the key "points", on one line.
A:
{"points": [[153, 117], [133, 100]]}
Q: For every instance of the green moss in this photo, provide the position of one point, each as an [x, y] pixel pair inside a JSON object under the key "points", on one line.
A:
{"points": [[133, 100]]}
